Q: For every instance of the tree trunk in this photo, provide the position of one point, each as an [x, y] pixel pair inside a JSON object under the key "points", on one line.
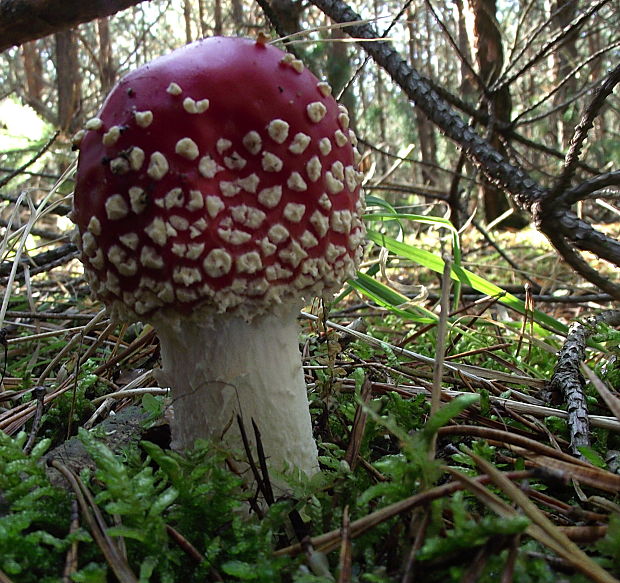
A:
{"points": [[187, 17], [107, 70], [67, 80], [217, 16], [237, 14], [489, 54], [288, 13], [338, 70], [426, 130], [33, 67], [33, 84], [564, 59], [466, 81]]}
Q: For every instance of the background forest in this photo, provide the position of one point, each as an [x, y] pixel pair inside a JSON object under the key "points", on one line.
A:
{"points": [[464, 387]]}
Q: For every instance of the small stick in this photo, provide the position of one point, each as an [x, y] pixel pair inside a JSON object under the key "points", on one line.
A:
{"points": [[71, 561], [97, 525], [39, 394], [17, 171], [344, 561], [359, 425], [255, 472], [187, 547], [191, 551], [329, 541], [268, 492]]}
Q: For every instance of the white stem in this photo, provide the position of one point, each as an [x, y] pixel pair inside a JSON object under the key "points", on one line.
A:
{"points": [[224, 366]]}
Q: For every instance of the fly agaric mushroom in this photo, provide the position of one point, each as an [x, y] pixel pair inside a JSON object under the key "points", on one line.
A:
{"points": [[216, 189]]}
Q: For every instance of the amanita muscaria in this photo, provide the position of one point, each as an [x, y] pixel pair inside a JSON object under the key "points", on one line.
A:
{"points": [[216, 190]]}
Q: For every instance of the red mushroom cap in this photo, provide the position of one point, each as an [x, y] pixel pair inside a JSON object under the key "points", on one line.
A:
{"points": [[223, 174]]}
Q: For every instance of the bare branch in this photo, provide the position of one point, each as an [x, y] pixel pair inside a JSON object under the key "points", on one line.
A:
{"points": [[42, 262], [558, 223], [553, 91], [496, 168], [559, 36], [24, 20], [568, 380], [578, 263], [17, 171], [581, 132], [588, 187]]}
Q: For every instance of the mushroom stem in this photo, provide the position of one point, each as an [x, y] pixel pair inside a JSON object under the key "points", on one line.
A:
{"points": [[223, 366]]}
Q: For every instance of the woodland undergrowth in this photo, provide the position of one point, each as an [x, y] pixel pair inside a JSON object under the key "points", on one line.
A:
{"points": [[446, 442]]}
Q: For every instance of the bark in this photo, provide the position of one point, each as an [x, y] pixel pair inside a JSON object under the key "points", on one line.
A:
{"points": [[187, 17], [568, 380], [489, 54], [237, 14], [426, 130], [564, 59], [67, 80], [32, 86], [33, 67], [25, 20], [288, 14], [107, 70]]}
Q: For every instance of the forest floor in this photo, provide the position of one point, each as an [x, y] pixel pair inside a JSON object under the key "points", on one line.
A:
{"points": [[463, 463]]}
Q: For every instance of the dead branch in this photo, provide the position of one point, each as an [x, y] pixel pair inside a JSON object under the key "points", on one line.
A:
{"points": [[24, 20], [568, 379], [46, 234], [581, 132], [43, 261], [17, 171], [572, 27], [59, 209], [576, 261], [560, 224], [495, 167], [588, 187]]}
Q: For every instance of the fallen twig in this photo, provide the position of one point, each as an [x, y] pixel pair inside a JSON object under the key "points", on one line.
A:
{"points": [[97, 525], [568, 380], [17, 171], [331, 540], [542, 528]]}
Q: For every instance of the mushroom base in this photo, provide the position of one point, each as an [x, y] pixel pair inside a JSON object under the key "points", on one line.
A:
{"points": [[223, 366]]}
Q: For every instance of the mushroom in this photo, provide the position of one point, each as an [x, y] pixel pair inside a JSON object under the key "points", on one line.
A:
{"points": [[217, 189]]}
